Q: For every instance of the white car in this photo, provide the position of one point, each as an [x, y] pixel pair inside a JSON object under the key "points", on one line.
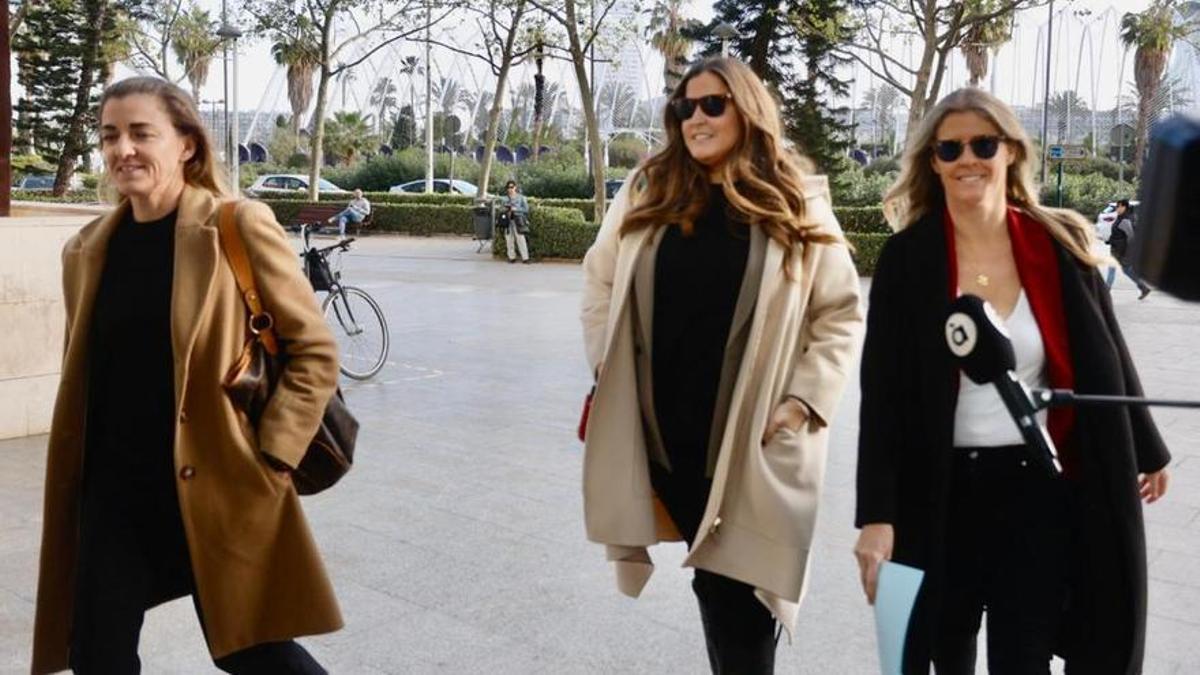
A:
{"points": [[1107, 217], [440, 186], [279, 184]]}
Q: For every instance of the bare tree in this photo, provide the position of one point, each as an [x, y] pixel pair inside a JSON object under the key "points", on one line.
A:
{"points": [[500, 24], [581, 33], [936, 27], [152, 34], [342, 26]]}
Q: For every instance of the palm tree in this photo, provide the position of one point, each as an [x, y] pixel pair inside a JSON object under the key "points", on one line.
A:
{"points": [[1152, 33], [1063, 105], [383, 97], [411, 66], [539, 94], [300, 51], [195, 44], [348, 135], [984, 36], [666, 32]]}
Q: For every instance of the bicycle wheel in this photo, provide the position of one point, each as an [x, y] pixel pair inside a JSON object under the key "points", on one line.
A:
{"points": [[362, 332]]}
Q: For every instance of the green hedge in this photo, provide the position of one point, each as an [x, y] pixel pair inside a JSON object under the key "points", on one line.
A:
{"points": [[71, 197], [862, 219], [553, 233], [431, 219], [570, 238], [866, 250]]}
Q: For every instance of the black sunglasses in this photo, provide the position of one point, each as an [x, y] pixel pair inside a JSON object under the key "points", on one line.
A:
{"points": [[713, 105], [983, 147]]}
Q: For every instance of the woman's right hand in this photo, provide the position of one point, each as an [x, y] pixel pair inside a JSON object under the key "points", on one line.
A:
{"points": [[874, 546]]}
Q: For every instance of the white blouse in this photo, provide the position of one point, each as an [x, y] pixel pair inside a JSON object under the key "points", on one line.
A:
{"points": [[981, 419]]}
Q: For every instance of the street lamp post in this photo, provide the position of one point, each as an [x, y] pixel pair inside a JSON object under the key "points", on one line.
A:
{"points": [[229, 35], [725, 32], [1046, 97]]}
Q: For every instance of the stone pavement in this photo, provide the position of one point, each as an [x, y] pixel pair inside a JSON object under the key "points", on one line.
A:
{"points": [[456, 545]]}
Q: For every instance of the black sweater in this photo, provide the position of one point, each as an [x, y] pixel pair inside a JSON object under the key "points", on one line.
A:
{"points": [[697, 279], [131, 372]]}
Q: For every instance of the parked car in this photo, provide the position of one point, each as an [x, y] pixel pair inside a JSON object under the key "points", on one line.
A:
{"points": [[1107, 217], [612, 186], [440, 186], [43, 182], [277, 184]]}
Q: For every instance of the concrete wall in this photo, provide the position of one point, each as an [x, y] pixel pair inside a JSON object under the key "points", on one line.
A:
{"points": [[31, 316]]}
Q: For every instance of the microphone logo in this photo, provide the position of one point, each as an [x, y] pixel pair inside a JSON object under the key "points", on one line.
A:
{"points": [[961, 334]]}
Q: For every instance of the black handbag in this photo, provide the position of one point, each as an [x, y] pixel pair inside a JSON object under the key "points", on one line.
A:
{"points": [[252, 379]]}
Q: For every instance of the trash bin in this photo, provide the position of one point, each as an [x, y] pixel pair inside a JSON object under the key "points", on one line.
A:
{"points": [[484, 216]]}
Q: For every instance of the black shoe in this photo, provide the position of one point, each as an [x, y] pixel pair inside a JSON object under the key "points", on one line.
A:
{"points": [[512, 260], [527, 261], [1145, 292]]}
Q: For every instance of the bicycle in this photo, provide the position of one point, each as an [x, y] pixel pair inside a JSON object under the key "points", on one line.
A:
{"points": [[352, 314]]}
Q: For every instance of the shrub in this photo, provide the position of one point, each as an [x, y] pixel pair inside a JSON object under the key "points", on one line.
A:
{"points": [[866, 250], [862, 219], [71, 197], [1087, 194], [883, 166], [1103, 165], [856, 187], [553, 233]]}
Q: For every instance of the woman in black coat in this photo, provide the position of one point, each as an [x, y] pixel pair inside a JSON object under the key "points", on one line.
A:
{"points": [[944, 481]]}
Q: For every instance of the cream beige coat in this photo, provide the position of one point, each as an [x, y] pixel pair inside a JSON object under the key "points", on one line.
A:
{"points": [[804, 334], [258, 574]]}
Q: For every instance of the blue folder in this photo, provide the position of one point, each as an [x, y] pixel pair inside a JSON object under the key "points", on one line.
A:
{"points": [[894, 598]]}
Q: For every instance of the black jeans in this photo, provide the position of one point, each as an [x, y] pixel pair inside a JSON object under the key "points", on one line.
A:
{"points": [[739, 631], [133, 556], [1008, 544]]}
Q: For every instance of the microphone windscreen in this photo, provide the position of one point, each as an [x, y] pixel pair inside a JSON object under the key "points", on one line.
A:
{"points": [[1166, 243], [977, 338]]}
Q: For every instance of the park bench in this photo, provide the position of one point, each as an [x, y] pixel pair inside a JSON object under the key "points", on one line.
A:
{"points": [[320, 213]]}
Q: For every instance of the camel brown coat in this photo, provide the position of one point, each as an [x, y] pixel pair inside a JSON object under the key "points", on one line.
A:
{"points": [[758, 523], [258, 574]]}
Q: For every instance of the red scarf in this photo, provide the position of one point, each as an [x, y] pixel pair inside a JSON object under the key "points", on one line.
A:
{"points": [[1037, 266]]}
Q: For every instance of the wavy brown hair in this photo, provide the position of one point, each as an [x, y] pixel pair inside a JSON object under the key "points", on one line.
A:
{"points": [[202, 170], [918, 190], [761, 177]]}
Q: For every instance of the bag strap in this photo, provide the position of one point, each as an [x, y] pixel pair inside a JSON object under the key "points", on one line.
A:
{"points": [[261, 323]]}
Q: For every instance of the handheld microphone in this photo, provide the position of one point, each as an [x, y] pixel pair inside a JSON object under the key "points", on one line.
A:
{"points": [[977, 338]]}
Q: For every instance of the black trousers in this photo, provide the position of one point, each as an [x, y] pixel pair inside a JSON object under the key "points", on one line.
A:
{"points": [[739, 631], [133, 556], [1008, 545]]}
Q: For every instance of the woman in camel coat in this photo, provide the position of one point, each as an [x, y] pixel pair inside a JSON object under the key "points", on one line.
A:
{"points": [[156, 487]]}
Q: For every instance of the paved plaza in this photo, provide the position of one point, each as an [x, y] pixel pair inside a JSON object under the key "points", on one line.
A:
{"points": [[456, 544]]}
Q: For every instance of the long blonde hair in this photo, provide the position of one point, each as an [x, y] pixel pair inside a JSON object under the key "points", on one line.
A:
{"points": [[762, 178], [202, 170], [918, 190]]}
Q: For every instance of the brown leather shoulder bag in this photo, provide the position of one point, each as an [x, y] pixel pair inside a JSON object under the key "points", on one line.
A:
{"points": [[251, 380]]}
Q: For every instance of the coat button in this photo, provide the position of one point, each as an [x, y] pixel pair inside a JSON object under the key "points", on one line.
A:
{"points": [[716, 525], [974, 454], [183, 416], [187, 472]]}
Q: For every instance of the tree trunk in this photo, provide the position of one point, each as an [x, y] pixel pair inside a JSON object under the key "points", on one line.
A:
{"points": [[316, 150], [595, 149], [917, 100], [1145, 101], [75, 143], [760, 48], [489, 141]]}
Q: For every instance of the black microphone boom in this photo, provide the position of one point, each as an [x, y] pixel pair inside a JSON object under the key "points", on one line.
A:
{"points": [[985, 354]]}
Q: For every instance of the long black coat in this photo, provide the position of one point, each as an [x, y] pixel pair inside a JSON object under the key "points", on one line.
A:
{"points": [[909, 393]]}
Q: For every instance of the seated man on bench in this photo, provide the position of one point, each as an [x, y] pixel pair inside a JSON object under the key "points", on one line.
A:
{"points": [[355, 212]]}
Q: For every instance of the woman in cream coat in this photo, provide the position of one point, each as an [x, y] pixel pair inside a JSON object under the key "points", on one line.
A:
{"points": [[789, 320]]}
